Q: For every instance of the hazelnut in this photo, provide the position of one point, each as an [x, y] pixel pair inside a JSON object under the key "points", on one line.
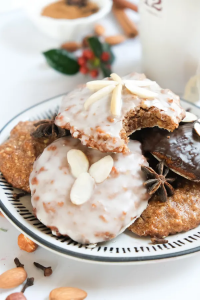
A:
{"points": [[26, 244], [16, 296]]}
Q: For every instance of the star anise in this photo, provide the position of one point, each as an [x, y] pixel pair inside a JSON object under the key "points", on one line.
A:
{"points": [[47, 128], [157, 182]]}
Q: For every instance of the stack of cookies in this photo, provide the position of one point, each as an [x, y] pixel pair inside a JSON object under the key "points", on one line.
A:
{"points": [[91, 181]]}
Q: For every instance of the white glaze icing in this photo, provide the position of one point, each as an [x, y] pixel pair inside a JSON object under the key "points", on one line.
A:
{"points": [[115, 202], [85, 124]]}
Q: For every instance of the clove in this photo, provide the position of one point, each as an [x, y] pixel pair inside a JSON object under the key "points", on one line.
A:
{"points": [[18, 264], [47, 270], [29, 282], [16, 196], [156, 240]]}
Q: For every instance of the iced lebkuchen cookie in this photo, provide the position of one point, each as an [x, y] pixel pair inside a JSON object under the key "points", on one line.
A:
{"points": [[85, 194], [181, 212], [18, 154], [103, 113]]}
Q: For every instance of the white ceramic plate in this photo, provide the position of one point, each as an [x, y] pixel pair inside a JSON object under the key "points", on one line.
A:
{"points": [[127, 248]]}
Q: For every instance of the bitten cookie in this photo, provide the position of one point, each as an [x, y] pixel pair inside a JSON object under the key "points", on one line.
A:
{"points": [[85, 194], [18, 154], [102, 114], [181, 212]]}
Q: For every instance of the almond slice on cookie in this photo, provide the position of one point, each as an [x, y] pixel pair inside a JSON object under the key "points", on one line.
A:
{"points": [[101, 169], [98, 95], [82, 189], [99, 84], [78, 162], [141, 92], [190, 117], [116, 101]]}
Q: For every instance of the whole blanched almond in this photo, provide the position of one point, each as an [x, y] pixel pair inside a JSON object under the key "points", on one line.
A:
{"points": [[99, 95], [12, 278], [71, 46], [116, 101], [67, 293], [82, 189], [115, 39], [16, 296], [116, 77], [141, 92], [101, 169], [96, 85], [78, 162], [99, 29]]}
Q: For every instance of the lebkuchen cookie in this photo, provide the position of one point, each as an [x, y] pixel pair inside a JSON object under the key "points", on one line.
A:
{"points": [[103, 113], [181, 212], [19, 152], [85, 194], [180, 150]]}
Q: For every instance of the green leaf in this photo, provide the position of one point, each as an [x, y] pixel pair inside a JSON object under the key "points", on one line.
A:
{"points": [[96, 46], [106, 70], [107, 48], [4, 230], [62, 61]]}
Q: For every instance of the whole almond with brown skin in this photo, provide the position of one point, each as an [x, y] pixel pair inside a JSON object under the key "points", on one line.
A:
{"points": [[115, 39], [16, 296], [67, 293], [99, 29], [12, 278], [71, 46], [26, 244]]}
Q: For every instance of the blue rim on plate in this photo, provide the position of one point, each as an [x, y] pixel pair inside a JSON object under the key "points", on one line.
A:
{"points": [[83, 256]]}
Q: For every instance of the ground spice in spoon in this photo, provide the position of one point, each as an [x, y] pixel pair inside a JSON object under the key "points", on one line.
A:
{"points": [[62, 10]]}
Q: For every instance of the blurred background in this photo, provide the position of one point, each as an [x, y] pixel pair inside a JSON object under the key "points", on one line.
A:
{"points": [[45, 49]]}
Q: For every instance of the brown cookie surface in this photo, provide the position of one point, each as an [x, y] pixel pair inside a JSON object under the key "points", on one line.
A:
{"points": [[180, 213], [18, 154]]}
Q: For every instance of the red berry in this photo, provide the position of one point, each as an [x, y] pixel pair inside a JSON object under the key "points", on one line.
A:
{"points": [[88, 54], [94, 73], [105, 56], [84, 69], [81, 61]]}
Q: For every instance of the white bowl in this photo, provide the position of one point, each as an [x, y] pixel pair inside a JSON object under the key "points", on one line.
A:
{"points": [[63, 29]]}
